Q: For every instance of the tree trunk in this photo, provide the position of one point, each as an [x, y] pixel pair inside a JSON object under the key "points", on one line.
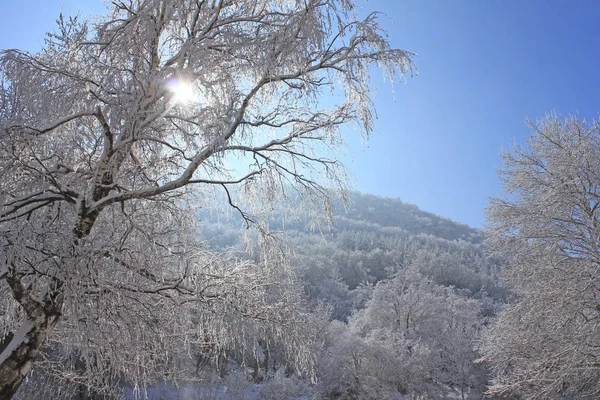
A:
{"points": [[256, 376], [17, 357]]}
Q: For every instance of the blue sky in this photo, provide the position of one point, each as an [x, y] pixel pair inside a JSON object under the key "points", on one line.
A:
{"points": [[484, 67]]}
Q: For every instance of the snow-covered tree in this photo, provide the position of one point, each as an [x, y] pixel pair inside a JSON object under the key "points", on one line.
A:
{"points": [[107, 133], [414, 337], [548, 228]]}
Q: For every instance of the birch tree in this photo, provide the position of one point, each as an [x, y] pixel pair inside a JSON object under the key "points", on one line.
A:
{"points": [[108, 131], [546, 343]]}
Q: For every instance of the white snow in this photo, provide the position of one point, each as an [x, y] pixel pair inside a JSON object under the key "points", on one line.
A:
{"points": [[19, 338]]}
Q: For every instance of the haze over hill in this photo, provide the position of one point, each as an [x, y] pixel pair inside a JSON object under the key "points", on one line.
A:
{"points": [[363, 212]]}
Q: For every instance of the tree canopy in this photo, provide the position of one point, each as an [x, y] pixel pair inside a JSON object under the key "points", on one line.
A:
{"points": [[546, 343], [109, 135]]}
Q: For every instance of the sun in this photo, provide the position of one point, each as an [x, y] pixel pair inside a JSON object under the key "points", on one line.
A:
{"points": [[183, 92]]}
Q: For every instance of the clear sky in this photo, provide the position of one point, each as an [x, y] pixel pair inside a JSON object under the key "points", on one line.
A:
{"points": [[484, 67]]}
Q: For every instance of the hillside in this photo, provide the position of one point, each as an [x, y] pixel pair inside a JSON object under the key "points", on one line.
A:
{"points": [[368, 241], [408, 293], [382, 216]]}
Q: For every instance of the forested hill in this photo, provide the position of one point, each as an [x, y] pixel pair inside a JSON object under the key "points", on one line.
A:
{"points": [[370, 240], [367, 213], [382, 212], [394, 278]]}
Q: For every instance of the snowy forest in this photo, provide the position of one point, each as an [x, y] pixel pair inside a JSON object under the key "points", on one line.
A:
{"points": [[175, 223]]}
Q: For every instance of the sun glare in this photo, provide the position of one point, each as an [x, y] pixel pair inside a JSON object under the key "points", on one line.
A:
{"points": [[183, 92]]}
